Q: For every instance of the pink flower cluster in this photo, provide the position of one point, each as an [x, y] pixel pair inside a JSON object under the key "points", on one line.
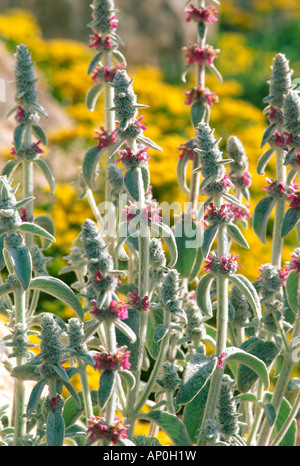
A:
{"points": [[96, 41], [98, 429], [20, 115], [186, 151], [283, 139], [104, 139], [221, 360], [105, 73], [127, 155], [31, 151], [201, 14], [135, 300], [149, 213], [196, 54], [295, 262], [243, 181], [116, 308], [201, 95], [104, 360], [222, 265], [275, 187], [282, 273]]}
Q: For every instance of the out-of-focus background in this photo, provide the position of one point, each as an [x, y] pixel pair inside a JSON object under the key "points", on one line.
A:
{"points": [[249, 33]]}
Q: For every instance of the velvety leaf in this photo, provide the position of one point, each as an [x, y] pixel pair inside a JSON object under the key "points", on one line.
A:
{"points": [[55, 429], [209, 237], [292, 289], [59, 290], [289, 439], [267, 134], [263, 161], [188, 236], [198, 371], [72, 411], [92, 96], [47, 173], [270, 412], [45, 222], [18, 136], [193, 413], [160, 333], [250, 293], [9, 167], [20, 258], [182, 166], [237, 236], [165, 232], [40, 133], [128, 377], [35, 229], [90, 164], [94, 62], [107, 384], [61, 372], [294, 384], [133, 322], [133, 182], [290, 220], [155, 318], [197, 265], [198, 111], [170, 424], [35, 396], [261, 216], [27, 371], [203, 294]]}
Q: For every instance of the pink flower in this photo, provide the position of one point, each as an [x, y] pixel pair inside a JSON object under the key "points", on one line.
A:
{"points": [[294, 199], [99, 277], [20, 113], [54, 403], [37, 147], [201, 14], [221, 360], [186, 152], [137, 301], [295, 262], [105, 73], [105, 360], [274, 186], [225, 181], [128, 155], [24, 215], [98, 42], [202, 95], [195, 54], [104, 139], [209, 262], [97, 428], [141, 125], [283, 274], [119, 308], [113, 22]]}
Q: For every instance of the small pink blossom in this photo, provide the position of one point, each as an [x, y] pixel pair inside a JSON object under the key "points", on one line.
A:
{"points": [[97, 428], [186, 152], [104, 139], [20, 115], [202, 95], [283, 274], [195, 54], [201, 14], [128, 155], [119, 308], [54, 403], [98, 42], [113, 22], [221, 360], [105, 360], [24, 215], [135, 300], [295, 262]]}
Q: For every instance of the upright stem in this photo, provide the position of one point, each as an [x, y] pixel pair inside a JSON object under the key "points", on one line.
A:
{"points": [[19, 393], [277, 241], [109, 120]]}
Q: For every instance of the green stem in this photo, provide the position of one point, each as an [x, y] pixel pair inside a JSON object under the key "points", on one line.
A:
{"points": [[109, 121], [277, 240], [19, 392], [86, 394], [221, 332]]}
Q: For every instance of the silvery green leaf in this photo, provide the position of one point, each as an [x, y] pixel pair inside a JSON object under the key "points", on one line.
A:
{"points": [[198, 111], [188, 236], [120, 57], [107, 384], [40, 110], [40, 133], [263, 161], [292, 290], [170, 424], [23, 202], [148, 142], [160, 332], [209, 236], [216, 72], [134, 183], [128, 377], [92, 96], [126, 330], [182, 166], [290, 220], [61, 372], [289, 439], [270, 412], [261, 215], [203, 294], [199, 369], [18, 136], [20, 259], [94, 62], [10, 167], [294, 384], [35, 229], [233, 200], [90, 164], [58, 289], [167, 235], [45, 222], [55, 429], [35, 396], [194, 411], [237, 236], [250, 293], [47, 173], [267, 134], [251, 362]]}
